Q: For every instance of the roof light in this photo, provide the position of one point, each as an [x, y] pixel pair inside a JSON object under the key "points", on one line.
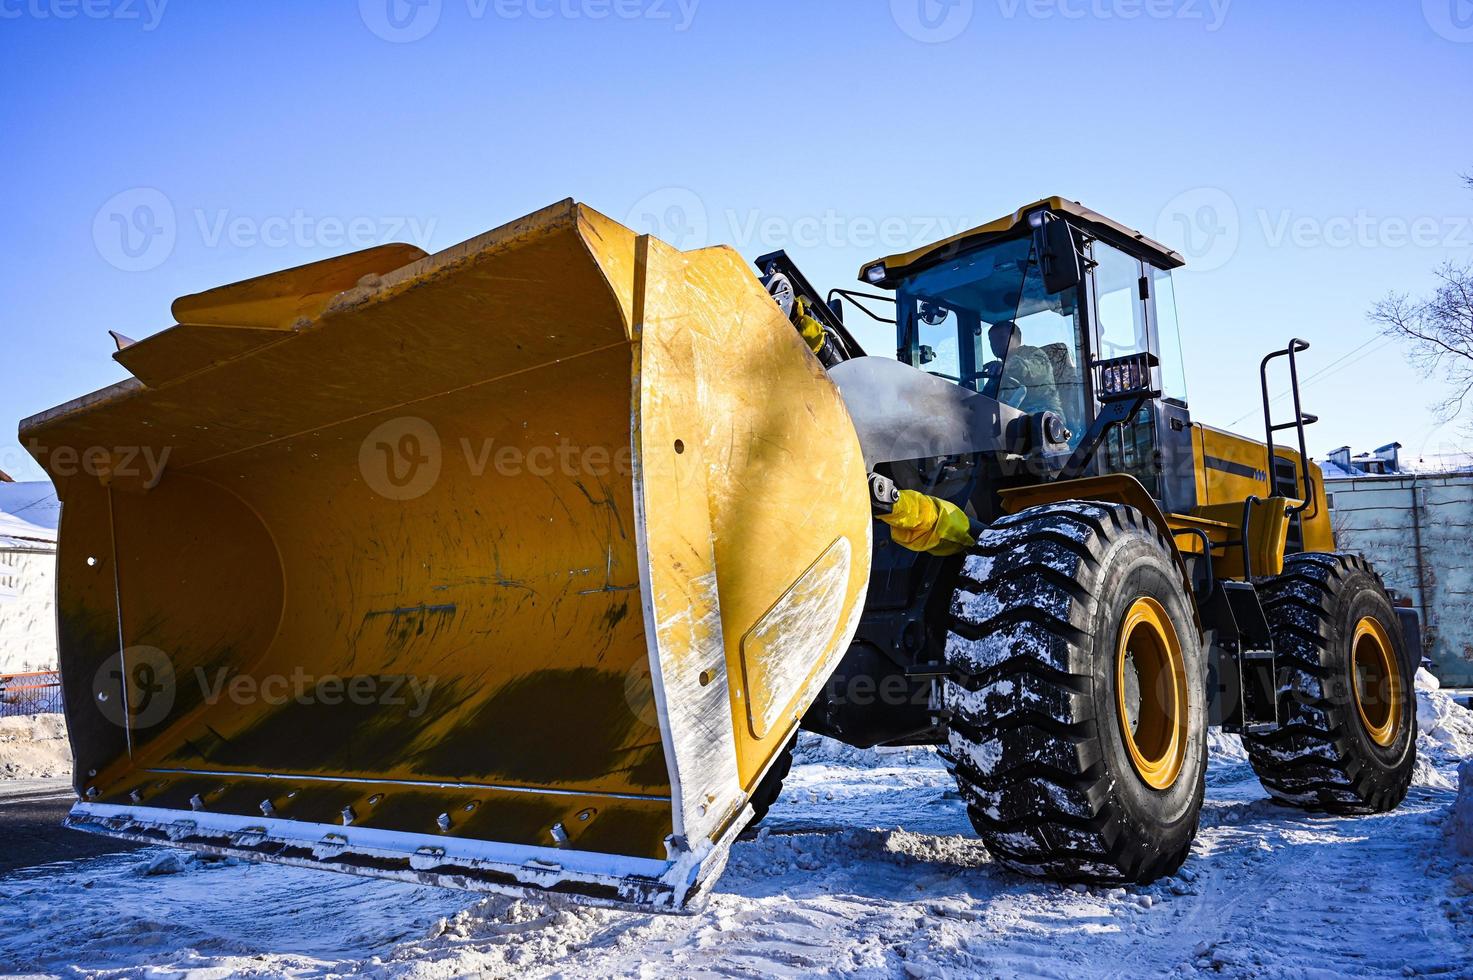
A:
{"points": [[875, 273], [1036, 219]]}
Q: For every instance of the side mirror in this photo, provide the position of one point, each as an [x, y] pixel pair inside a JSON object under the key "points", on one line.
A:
{"points": [[1058, 256]]}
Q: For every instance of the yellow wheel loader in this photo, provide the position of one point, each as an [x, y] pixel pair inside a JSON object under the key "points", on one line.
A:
{"points": [[517, 567]]}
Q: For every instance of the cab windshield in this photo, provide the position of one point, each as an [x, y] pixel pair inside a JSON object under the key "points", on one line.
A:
{"points": [[984, 320]]}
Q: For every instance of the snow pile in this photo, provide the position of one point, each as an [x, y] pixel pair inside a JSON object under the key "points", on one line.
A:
{"points": [[817, 749], [1460, 824], [1444, 734], [1223, 747], [499, 936], [34, 747]]}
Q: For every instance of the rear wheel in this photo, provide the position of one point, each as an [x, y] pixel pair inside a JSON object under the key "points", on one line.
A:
{"points": [[1348, 744], [1078, 719]]}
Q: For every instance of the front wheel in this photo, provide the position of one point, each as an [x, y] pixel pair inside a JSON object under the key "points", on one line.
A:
{"points": [[1078, 717]]}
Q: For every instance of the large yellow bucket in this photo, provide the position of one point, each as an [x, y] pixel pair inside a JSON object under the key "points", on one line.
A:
{"points": [[510, 567]]}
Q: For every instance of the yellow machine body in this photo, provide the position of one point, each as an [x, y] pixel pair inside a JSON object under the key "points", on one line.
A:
{"points": [[1230, 470], [500, 567]]}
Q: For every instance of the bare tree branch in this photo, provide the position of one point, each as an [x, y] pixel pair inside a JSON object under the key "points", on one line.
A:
{"points": [[1438, 331]]}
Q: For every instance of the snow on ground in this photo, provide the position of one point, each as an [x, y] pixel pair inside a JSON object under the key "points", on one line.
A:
{"points": [[34, 747], [866, 867]]}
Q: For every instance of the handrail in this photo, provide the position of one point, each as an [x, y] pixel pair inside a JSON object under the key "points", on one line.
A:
{"points": [[1296, 346], [1211, 583]]}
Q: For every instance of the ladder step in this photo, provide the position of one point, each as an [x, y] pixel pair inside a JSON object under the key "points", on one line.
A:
{"points": [[1305, 419]]}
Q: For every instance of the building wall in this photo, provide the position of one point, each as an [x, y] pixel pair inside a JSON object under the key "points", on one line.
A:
{"points": [[1383, 517], [27, 612]]}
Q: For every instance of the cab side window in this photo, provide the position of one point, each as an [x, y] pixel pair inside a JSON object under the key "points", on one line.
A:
{"points": [[1121, 320], [1120, 328]]}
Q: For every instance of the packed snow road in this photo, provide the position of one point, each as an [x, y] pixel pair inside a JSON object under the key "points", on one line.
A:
{"points": [[867, 867]]}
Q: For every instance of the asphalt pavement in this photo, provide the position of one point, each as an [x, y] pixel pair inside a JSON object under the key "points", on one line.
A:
{"points": [[31, 812]]}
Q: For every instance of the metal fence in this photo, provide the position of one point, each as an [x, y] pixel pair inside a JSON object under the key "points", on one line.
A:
{"points": [[36, 693]]}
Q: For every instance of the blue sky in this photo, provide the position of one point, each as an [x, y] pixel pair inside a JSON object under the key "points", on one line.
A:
{"points": [[1305, 156]]}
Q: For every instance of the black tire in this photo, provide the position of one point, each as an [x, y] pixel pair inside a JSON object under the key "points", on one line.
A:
{"points": [[771, 786], [1326, 757], [1035, 726]]}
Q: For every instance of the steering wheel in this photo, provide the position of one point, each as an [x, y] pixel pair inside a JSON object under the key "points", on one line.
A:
{"points": [[1015, 394], [1014, 385]]}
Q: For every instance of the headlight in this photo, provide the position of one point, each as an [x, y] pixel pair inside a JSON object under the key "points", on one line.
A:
{"points": [[875, 274], [1124, 377]]}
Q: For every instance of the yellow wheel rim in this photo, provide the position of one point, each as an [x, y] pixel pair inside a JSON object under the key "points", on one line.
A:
{"points": [[1375, 681], [1151, 693]]}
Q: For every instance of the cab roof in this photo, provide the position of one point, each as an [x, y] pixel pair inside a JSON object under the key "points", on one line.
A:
{"points": [[899, 265]]}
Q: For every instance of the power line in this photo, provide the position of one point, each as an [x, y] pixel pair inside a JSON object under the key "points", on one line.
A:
{"points": [[1330, 369]]}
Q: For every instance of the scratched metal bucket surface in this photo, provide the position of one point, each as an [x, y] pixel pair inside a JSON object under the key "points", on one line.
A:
{"points": [[510, 567]]}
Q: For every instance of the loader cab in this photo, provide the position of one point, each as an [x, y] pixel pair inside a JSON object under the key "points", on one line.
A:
{"points": [[980, 310]]}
